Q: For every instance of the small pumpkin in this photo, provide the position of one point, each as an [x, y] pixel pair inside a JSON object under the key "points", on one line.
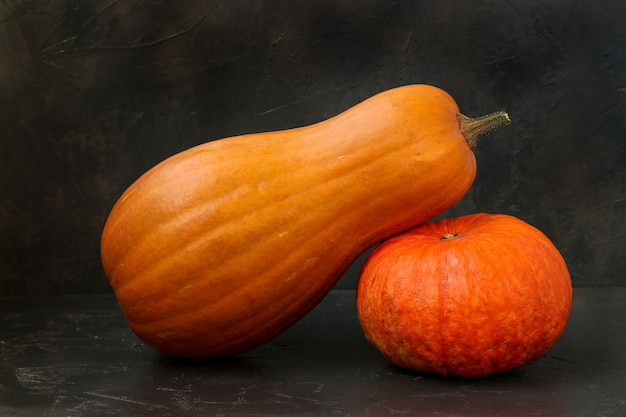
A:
{"points": [[221, 247], [470, 296]]}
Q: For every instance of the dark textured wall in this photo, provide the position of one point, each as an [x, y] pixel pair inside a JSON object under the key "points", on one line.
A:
{"points": [[93, 93]]}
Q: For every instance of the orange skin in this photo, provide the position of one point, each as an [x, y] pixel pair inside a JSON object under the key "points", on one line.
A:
{"points": [[471, 296], [219, 248]]}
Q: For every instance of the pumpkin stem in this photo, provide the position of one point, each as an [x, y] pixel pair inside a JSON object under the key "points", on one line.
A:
{"points": [[448, 236], [474, 128]]}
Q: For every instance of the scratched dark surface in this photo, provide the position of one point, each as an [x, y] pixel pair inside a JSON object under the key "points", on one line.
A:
{"points": [[93, 93], [74, 356]]}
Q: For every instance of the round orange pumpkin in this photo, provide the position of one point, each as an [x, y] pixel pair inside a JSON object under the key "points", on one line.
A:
{"points": [[470, 296]]}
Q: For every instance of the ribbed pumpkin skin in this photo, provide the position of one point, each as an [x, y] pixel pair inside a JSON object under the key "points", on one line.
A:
{"points": [[219, 248], [491, 297]]}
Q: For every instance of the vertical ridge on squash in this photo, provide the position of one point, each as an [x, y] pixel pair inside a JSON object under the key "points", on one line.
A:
{"points": [[189, 254]]}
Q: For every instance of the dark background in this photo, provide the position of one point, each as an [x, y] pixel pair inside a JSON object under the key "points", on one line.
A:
{"points": [[93, 93]]}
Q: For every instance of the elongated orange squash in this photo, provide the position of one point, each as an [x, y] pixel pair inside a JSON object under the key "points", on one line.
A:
{"points": [[219, 248]]}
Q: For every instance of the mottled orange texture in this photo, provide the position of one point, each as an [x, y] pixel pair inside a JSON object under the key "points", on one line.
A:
{"points": [[470, 296]]}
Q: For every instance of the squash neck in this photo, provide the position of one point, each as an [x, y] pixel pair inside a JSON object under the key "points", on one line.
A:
{"points": [[474, 128]]}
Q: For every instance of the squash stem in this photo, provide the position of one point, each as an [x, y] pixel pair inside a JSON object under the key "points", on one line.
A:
{"points": [[474, 128]]}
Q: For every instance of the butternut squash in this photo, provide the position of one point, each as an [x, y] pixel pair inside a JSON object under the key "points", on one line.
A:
{"points": [[221, 247]]}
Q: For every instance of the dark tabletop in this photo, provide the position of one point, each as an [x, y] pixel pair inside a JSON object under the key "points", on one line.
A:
{"points": [[74, 356]]}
